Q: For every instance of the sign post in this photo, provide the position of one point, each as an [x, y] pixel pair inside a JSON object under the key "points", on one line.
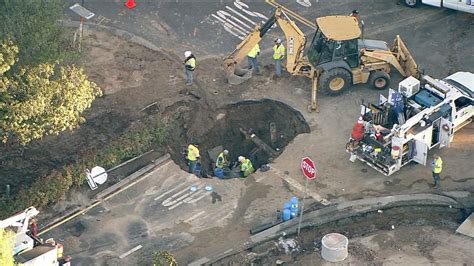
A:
{"points": [[83, 13], [309, 171]]}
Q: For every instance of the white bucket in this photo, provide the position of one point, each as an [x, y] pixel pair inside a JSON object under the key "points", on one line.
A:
{"points": [[334, 247]]}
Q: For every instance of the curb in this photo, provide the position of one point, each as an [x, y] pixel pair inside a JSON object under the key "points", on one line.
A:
{"points": [[336, 212], [106, 194], [131, 178]]}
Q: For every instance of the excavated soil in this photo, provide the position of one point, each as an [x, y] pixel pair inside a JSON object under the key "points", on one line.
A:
{"points": [[375, 225], [143, 88]]}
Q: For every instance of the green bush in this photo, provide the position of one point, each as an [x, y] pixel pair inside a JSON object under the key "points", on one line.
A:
{"points": [[49, 189]]}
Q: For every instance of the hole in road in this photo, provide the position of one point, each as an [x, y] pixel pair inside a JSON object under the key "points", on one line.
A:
{"points": [[272, 122]]}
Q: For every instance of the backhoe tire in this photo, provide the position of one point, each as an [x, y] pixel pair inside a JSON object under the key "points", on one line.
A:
{"points": [[411, 3], [334, 81], [379, 80]]}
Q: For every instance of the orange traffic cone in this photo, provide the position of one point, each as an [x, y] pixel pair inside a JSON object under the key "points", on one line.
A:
{"points": [[130, 4]]}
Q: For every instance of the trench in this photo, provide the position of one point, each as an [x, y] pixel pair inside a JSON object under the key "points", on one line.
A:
{"points": [[274, 123], [366, 224]]}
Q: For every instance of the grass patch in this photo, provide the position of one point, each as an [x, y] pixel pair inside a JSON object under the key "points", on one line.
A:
{"points": [[51, 188]]}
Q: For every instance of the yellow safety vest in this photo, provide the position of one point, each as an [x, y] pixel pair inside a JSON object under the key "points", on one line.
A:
{"points": [[278, 52], [246, 167], [255, 50], [222, 161], [437, 166], [193, 152], [192, 63]]}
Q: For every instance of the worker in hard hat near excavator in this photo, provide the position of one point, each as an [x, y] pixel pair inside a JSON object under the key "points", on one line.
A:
{"points": [[246, 167], [189, 66], [278, 55]]}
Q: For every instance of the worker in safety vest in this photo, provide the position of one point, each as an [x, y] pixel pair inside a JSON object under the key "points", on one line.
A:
{"points": [[252, 58], [437, 167], [278, 55], [193, 156], [189, 66], [246, 167], [223, 160], [355, 14]]}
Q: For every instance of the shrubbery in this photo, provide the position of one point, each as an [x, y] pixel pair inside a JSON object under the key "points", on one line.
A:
{"points": [[49, 189]]}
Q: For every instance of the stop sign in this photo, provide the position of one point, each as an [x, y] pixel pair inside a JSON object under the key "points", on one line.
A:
{"points": [[308, 168]]}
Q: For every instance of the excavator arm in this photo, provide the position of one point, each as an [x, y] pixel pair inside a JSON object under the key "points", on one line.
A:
{"points": [[236, 75], [295, 44]]}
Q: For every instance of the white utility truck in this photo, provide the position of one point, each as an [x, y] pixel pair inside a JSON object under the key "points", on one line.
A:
{"points": [[461, 5], [418, 117], [29, 250]]}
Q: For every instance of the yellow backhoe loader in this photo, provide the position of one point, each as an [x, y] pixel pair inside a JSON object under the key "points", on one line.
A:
{"points": [[336, 58]]}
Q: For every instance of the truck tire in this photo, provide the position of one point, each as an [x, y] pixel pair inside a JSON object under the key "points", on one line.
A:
{"points": [[334, 81], [379, 80], [411, 3]]}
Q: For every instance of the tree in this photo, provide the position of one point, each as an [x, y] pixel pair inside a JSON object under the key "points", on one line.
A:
{"points": [[41, 100], [164, 258], [34, 25], [8, 56], [6, 247]]}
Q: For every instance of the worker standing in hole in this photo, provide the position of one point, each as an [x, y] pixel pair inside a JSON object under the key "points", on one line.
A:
{"points": [[223, 164], [189, 66], [223, 160], [252, 58], [437, 168], [246, 167], [193, 156], [278, 55]]}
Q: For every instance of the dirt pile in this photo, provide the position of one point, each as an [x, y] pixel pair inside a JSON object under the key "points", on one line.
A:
{"points": [[376, 225]]}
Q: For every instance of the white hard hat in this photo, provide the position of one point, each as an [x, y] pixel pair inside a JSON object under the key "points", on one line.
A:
{"points": [[226, 152], [278, 40], [187, 54], [360, 121], [241, 158]]}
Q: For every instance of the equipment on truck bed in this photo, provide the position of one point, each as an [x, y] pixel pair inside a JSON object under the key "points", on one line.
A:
{"points": [[337, 57], [416, 118], [28, 249]]}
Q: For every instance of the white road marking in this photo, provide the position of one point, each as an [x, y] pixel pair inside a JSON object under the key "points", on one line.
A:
{"points": [[197, 199], [169, 191], [229, 28], [175, 205], [186, 200], [190, 219], [227, 17], [130, 251], [305, 3], [170, 200], [240, 15]]}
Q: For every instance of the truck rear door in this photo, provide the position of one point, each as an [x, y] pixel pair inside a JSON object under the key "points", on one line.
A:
{"points": [[445, 132], [421, 152]]}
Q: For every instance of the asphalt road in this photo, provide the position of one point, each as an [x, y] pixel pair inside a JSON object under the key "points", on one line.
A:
{"points": [[440, 39]]}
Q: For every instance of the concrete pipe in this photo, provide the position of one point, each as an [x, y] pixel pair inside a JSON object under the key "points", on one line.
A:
{"points": [[334, 247]]}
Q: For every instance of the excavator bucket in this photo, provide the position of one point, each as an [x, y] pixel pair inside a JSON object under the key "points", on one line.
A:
{"points": [[236, 75], [404, 58]]}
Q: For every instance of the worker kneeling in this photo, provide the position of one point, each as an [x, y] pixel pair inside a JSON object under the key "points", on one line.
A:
{"points": [[246, 167]]}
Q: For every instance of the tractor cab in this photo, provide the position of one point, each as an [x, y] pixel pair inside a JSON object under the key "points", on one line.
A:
{"points": [[337, 39]]}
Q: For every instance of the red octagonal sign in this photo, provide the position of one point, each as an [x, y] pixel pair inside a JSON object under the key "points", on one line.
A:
{"points": [[309, 170]]}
